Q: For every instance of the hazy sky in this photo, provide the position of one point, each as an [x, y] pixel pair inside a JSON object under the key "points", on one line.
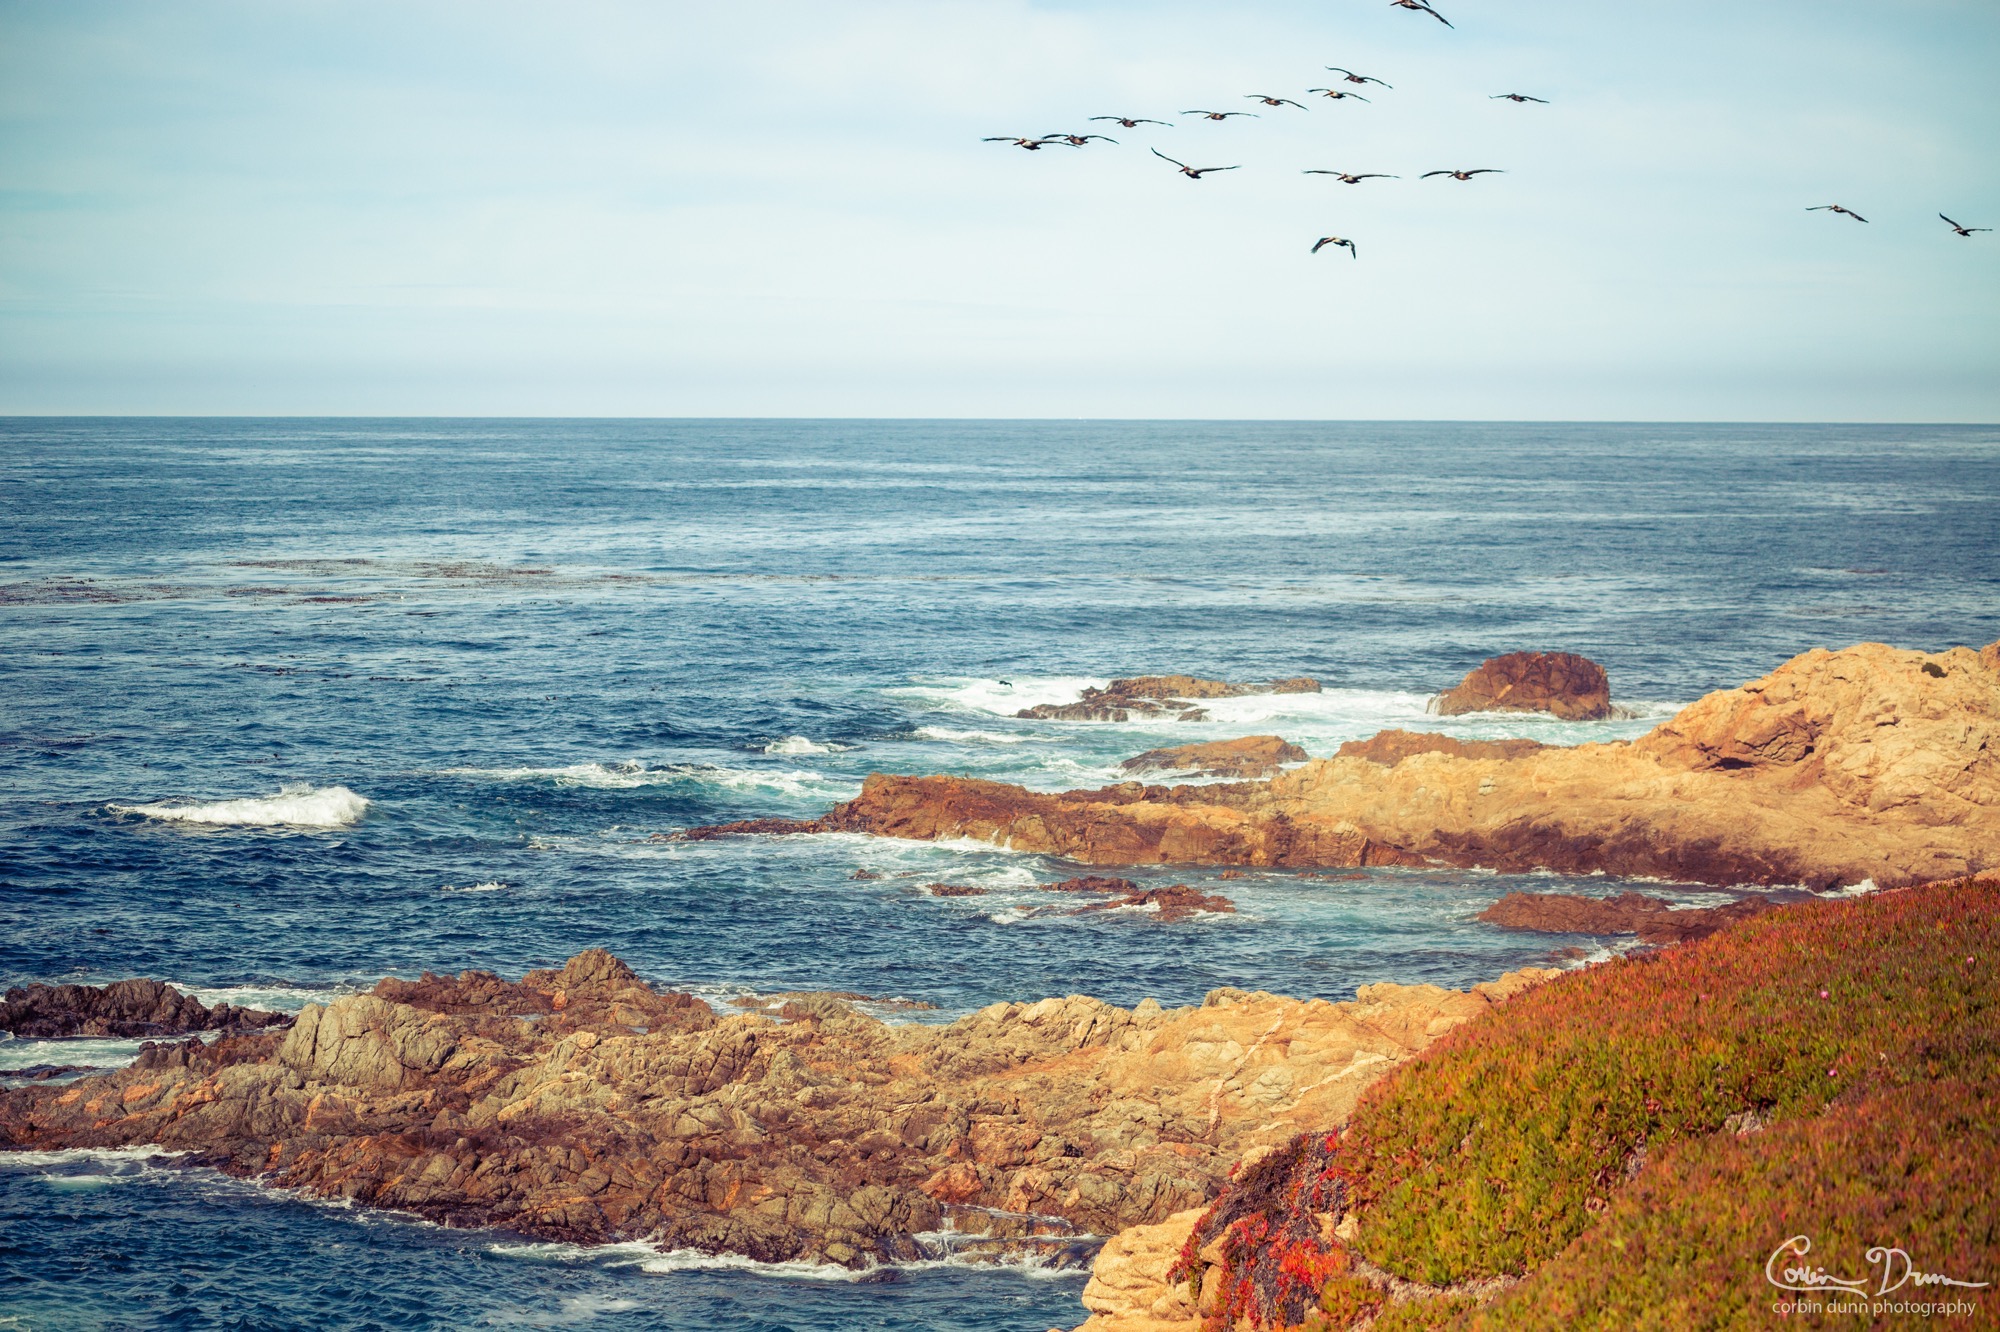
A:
{"points": [[774, 207]]}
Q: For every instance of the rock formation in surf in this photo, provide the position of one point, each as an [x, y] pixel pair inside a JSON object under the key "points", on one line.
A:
{"points": [[1251, 756], [127, 1008], [1167, 697], [1871, 763], [584, 1105], [1654, 919], [1561, 684]]}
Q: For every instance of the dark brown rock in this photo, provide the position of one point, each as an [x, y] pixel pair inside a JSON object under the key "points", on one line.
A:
{"points": [[124, 1008], [1391, 747], [1561, 684], [1175, 903], [1653, 919], [1252, 756], [1090, 883], [954, 890]]}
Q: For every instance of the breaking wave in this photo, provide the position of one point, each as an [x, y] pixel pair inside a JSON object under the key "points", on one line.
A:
{"points": [[296, 806], [633, 775]]}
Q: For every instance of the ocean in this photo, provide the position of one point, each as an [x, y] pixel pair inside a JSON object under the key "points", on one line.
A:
{"points": [[290, 705]]}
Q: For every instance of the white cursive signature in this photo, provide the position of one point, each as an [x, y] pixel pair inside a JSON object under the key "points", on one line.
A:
{"points": [[1897, 1271]]}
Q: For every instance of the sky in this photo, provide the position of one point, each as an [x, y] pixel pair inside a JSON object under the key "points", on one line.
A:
{"points": [[780, 208]]}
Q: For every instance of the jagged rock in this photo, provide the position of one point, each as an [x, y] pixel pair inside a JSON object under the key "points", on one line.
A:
{"points": [[124, 1008], [1653, 919], [1165, 696], [1252, 756], [1871, 763], [583, 1105], [1175, 903], [1559, 683], [1090, 883], [1389, 748]]}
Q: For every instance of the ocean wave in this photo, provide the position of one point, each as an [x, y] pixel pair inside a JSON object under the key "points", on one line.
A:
{"points": [[959, 737], [799, 744], [270, 998], [295, 806], [999, 698], [96, 1052], [490, 886], [69, 1156], [633, 775]]}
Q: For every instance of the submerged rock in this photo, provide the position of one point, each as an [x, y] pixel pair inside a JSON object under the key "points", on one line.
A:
{"points": [[584, 1105], [1252, 756], [1160, 696], [1561, 684], [124, 1009]]}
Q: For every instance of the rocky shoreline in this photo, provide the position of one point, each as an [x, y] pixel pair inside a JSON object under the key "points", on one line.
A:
{"points": [[584, 1105], [1871, 764]]}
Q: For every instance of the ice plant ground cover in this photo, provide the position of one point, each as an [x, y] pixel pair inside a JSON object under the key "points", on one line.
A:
{"points": [[1629, 1144]]}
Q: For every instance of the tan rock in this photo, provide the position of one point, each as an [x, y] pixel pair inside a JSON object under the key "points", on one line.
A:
{"points": [[1559, 683], [1251, 756], [1870, 763]]}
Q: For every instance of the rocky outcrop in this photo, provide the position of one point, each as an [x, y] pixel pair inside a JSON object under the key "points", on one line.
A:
{"points": [[583, 1105], [1654, 919], [1252, 756], [1871, 763], [1389, 748], [1157, 696], [1561, 684], [127, 1008], [1169, 904]]}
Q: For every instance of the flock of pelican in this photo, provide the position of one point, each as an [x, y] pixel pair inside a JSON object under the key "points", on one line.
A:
{"points": [[1037, 142]]}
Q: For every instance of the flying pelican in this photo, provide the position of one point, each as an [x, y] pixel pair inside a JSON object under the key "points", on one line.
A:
{"points": [[1517, 97], [1421, 8], [1336, 94], [1963, 231], [1352, 77], [1464, 175], [1325, 241], [1192, 173], [1269, 100], [1219, 115], [1347, 179], [1075, 140], [1133, 122], [1032, 145], [1836, 208]]}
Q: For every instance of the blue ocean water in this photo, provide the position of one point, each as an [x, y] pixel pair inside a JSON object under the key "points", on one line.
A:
{"points": [[286, 706]]}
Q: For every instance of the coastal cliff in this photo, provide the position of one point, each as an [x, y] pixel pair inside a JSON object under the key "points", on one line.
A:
{"points": [[585, 1105], [1867, 764]]}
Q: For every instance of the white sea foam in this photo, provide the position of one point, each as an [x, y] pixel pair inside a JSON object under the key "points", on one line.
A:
{"points": [[296, 806], [490, 886], [999, 698], [270, 998], [959, 737], [89, 1052], [633, 775], [799, 744], [70, 1156]]}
